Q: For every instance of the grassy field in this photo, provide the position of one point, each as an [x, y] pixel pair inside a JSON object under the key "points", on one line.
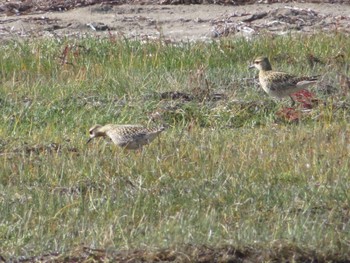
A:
{"points": [[232, 178]]}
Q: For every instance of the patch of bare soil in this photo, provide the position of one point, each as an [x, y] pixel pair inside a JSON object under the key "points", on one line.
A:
{"points": [[150, 19], [30, 6]]}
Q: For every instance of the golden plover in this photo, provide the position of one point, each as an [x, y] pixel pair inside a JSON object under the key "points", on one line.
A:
{"points": [[279, 84], [131, 137]]}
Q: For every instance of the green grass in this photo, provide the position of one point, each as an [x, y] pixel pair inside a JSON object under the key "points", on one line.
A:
{"points": [[226, 172]]}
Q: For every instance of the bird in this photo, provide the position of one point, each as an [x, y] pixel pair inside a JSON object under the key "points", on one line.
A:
{"points": [[280, 84], [131, 137]]}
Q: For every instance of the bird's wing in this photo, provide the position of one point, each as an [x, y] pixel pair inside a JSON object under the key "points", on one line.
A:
{"points": [[285, 80], [280, 80], [126, 134]]}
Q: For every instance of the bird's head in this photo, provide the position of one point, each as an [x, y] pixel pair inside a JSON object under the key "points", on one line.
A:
{"points": [[95, 131], [261, 63]]}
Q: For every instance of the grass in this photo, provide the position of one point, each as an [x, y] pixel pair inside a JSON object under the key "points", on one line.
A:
{"points": [[228, 173]]}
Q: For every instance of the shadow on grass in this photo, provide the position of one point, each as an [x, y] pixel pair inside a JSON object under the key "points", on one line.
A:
{"points": [[279, 252]]}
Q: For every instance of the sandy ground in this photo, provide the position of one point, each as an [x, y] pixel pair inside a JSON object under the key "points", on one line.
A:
{"points": [[178, 22]]}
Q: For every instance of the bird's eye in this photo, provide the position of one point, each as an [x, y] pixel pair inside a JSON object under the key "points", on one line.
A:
{"points": [[90, 132]]}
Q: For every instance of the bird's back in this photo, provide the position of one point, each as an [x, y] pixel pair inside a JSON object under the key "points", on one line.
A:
{"points": [[132, 136]]}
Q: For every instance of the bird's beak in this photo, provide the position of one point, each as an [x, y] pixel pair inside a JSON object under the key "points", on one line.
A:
{"points": [[251, 66], [89, 140]]}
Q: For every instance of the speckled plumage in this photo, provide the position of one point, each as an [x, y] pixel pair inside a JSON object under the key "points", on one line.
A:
{"points": [[130, 137], [279, 84]]}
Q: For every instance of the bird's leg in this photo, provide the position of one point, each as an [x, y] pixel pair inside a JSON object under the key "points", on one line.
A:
{"points": [[139, 150], [293, 101]]}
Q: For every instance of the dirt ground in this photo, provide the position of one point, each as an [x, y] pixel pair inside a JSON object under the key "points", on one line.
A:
{"points": [[172, 22]]}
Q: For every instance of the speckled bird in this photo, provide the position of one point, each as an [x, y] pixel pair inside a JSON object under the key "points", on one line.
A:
{"points": [[279, 84], [131, 137]]}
